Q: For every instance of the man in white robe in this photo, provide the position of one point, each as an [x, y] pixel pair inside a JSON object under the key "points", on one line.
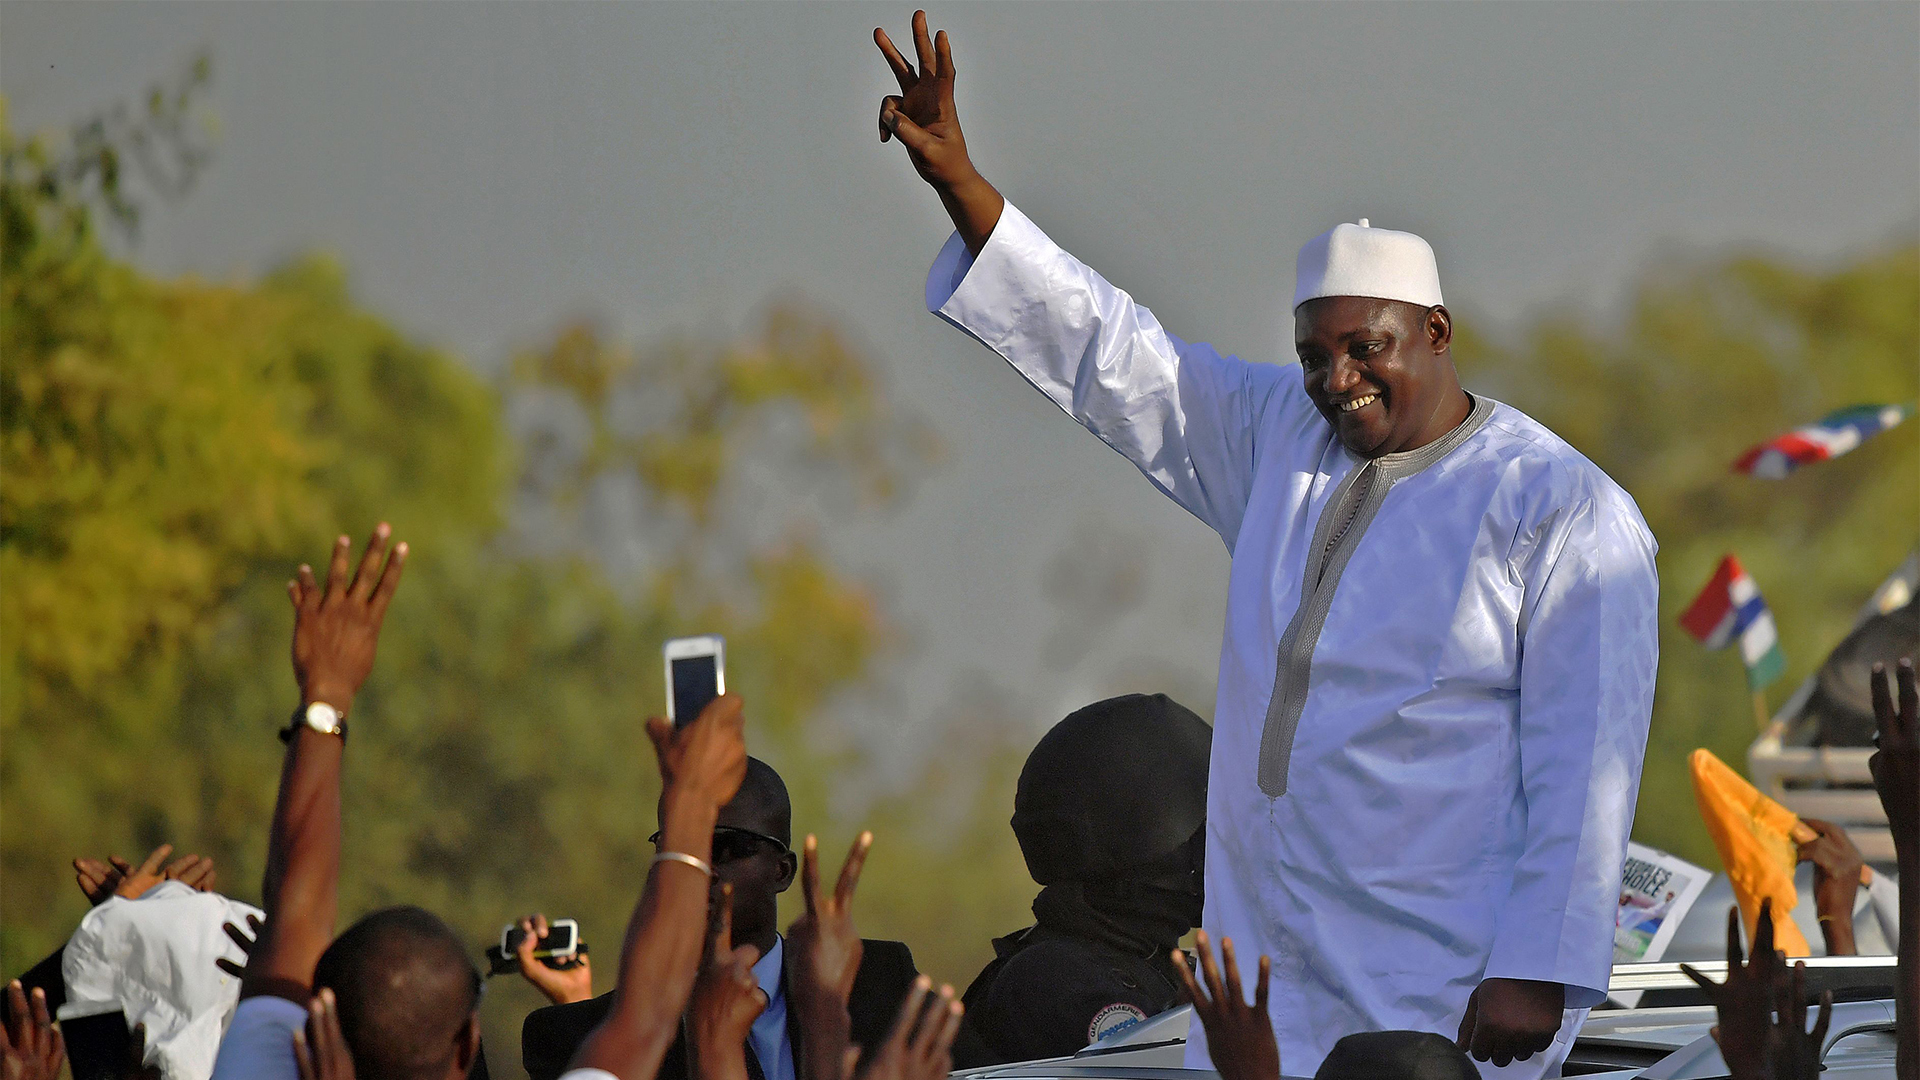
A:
{"points": [[1438, 663]]}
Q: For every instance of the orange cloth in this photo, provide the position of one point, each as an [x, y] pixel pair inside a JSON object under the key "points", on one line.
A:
{"points": [[1758, 842]]}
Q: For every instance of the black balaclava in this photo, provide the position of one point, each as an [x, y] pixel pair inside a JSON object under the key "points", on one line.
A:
{"points": [[1842, 703], [1111, 814], [1396, 1055]]}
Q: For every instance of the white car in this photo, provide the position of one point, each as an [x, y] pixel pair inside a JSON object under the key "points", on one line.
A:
{"points": [[1665, 1038]]}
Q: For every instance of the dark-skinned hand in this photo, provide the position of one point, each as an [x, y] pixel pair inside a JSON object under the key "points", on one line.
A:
{"points": [[1896, 775], [1896, 762], [1795, 1052], [920, 1046], [562, 985], [1511, 1020], [726, 999], [823, 938], [243, 938], [826, 952], [1836, 882], [922, 116], [706, 759], [336, 628], [117, 877], [30, 1046], [1239, 1034], [321, 1052], [1744, 1003]]}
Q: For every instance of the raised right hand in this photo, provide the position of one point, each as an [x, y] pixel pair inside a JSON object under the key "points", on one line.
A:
{"points": [[1239, 1033], [31, 1048], [707, 758], [1896, 764], [337, 628], [922, 116], [1744, 1002]]}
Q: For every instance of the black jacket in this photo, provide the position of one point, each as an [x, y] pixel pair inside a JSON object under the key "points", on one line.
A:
{"points": [[1047, 994], [551, 1036]]}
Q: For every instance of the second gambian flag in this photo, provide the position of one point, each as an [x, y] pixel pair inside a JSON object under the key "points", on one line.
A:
{"points": [[1731, 610], [1826, 438]]}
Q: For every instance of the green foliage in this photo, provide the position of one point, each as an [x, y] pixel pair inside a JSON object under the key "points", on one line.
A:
{"points": [[173, 449], [1714, 359]]}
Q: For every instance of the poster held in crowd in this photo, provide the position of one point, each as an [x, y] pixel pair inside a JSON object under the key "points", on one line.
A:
{"points": [[1656, 892]]}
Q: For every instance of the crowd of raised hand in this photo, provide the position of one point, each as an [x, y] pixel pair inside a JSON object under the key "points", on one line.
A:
{"points": [[395, 994]]}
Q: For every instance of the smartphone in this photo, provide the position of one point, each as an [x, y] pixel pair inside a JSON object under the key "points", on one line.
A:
{"points": [[696, 674]]}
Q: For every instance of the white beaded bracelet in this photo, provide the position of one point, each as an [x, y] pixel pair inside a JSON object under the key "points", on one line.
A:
{"points": [[682, 857]]}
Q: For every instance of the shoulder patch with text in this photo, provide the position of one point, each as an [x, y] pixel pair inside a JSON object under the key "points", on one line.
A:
{"points": [[1118, 1016]]}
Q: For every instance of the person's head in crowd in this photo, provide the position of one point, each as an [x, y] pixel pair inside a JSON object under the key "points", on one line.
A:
{"points": [[753, 852], [1396, 1055], [409, 998], [1110, 813]]}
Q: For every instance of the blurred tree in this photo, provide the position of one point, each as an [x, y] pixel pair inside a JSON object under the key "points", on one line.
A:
{"points": [[1713, 359], [174, 448]]}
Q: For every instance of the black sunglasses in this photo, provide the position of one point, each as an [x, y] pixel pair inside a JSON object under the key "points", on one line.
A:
{"points": [[731, 844]]}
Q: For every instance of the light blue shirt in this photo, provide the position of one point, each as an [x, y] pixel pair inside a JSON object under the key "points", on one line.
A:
{"points": [[771, 1047]]}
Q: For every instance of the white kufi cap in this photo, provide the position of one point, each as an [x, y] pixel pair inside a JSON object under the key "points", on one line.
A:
{"points": [[1358, 260]]}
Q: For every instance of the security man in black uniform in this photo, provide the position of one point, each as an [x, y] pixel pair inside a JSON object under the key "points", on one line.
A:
{"points": [[1111, 816]]}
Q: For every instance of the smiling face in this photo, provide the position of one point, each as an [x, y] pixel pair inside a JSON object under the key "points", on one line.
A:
{"points": [[1380, 371]]}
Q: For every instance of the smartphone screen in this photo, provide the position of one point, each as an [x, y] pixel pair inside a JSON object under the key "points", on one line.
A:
{"points": [[696, 683]]}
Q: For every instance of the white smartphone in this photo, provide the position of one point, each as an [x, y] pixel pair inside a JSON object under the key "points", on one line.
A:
{"points": [[696, 674]]}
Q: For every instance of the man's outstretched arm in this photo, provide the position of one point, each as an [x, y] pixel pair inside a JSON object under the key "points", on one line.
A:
{"points": [[922, 116], [1182, 413], [336, 628]]}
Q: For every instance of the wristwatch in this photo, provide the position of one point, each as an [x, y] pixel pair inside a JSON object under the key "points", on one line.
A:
{"points": [[319, 716]]}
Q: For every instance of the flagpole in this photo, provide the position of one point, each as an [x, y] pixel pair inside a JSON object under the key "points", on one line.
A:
{"points": [[1760, 715]]}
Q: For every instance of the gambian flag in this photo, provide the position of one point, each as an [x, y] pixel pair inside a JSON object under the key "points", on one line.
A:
{"points": [[1730, 609], [1828, 438]]}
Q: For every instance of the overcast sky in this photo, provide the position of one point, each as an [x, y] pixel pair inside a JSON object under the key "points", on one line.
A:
{"points": [[488, 170]]}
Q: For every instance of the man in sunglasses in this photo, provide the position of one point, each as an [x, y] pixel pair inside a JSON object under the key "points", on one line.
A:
{"points": [[752, 851]]}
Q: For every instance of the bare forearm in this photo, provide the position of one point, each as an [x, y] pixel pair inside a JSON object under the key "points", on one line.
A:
{"points": [[975, 207], [829, 1033], [301, 890], [661, 954], [713, 1060]]}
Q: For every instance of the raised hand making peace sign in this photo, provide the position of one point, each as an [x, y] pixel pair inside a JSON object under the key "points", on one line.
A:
{"points": [[922, 116], [826, 951]]}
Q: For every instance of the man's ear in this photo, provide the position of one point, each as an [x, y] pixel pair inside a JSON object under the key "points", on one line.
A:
{"points": [[1439, 328], [466, 1044], [789, 866]]}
